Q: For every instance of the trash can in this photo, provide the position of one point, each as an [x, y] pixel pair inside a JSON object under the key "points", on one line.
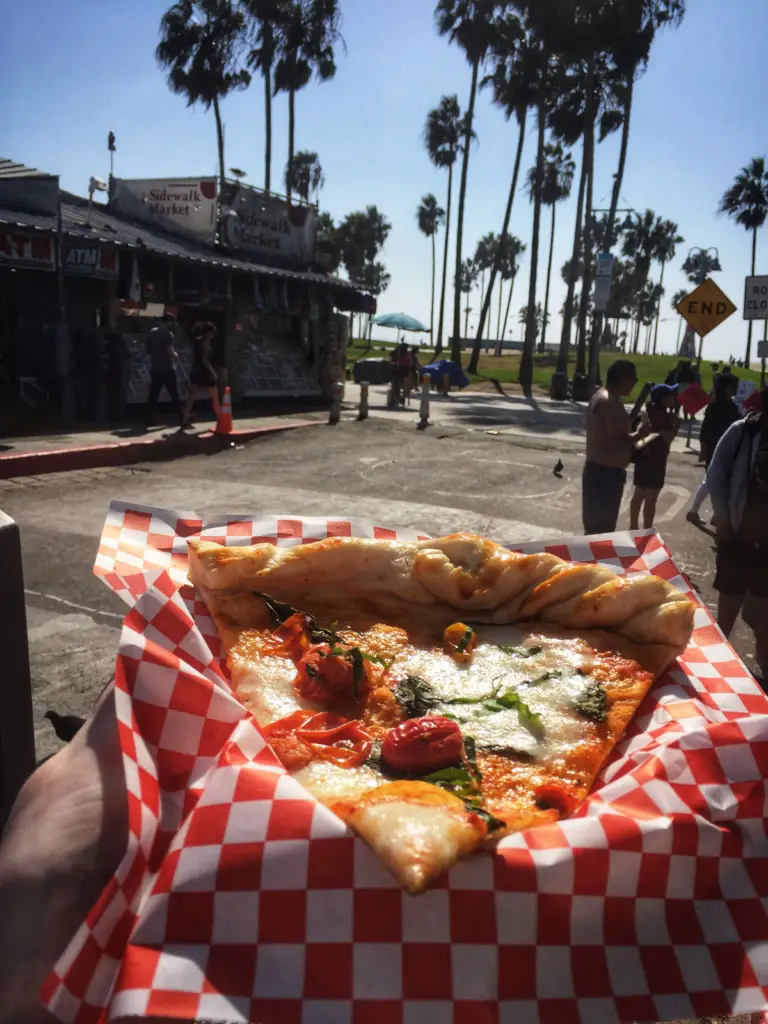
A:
{"points": [[17, 737]]}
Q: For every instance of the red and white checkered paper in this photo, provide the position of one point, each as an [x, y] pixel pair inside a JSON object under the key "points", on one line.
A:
{"points": [[240, 899]]}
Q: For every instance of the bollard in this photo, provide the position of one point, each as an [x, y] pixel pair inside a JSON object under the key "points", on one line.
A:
{"points": [[335, 414], [17, 738], [363, 412], [426, 384]]}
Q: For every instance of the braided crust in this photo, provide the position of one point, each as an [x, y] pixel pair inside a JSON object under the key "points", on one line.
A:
{"points": [[424, 586]]}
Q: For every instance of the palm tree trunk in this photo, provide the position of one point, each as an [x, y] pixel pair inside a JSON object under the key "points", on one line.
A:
{"points": [[543, 342], [617, 181], [500, 345], [439, 345], [432, 307], [565, 334], [529, 343], [586, 282], [482, 287], [658, 306], [291, 134], [504, 233], [268, 124], [456, 343], [749, 329], [498, 318], [219, 139]]}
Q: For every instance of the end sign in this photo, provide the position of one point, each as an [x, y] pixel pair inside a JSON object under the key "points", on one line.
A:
{"points": [[756, 298]]}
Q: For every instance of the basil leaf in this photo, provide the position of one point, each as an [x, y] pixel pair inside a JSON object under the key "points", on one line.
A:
{"points": [[592, 703], [492, 824], [470, 752], [374, 758], [451, 775], [279, 611], [555, 673], [462, 645], [521, 652], [319, 635], [415, 696], [511, 700], [358, 669]]}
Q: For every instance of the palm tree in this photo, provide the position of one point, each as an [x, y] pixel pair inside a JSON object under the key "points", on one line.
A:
{"points": [[430, 215], [265, 17], [513, 248], [199, 49], [484, 258], [442, 137], [634, 24], [675, 301], [516, 72], [668, 241], [559, 169], [537, 316], [305, 38], [304, 176], [465, 282], [746, 201], [699, 265], [470, 24]]}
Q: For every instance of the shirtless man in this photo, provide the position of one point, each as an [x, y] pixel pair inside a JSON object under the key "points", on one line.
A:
{"points": [[609, 448]]}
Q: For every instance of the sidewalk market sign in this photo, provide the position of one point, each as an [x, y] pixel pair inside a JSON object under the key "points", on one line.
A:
{"points": [[264, 224], [183, 206], [706, 307], [34, 252]]}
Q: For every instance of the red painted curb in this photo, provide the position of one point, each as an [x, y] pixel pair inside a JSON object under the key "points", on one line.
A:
{"points": [[125, 453]]}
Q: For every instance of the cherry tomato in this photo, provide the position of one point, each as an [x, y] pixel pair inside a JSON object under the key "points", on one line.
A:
{"points": [[423, 745], [459, 641], [291, 638], [559, 796], [328, 736], [323, 676]]}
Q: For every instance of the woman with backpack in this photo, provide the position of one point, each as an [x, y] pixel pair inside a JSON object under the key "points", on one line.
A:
{"points": [[718, 416], [738, 486]]}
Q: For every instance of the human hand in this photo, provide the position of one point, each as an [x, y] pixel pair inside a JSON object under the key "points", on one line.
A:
{"points": [[723, 528], [64, 840]]}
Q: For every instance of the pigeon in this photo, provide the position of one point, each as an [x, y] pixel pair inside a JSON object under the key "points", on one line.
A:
{"points": [[65, 726], [558, 470]]}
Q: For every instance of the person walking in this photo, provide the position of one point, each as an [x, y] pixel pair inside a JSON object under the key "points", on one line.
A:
{"points": [[610, 442], [203, 378], [160, 347], [718, 416], [652, 454], [738, 487]]}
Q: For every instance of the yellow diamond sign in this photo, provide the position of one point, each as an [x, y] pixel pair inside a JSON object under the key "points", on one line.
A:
{"points": [[706, 307]]}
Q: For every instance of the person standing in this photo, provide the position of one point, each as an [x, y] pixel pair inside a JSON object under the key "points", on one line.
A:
{"points": [[160, 346], [718, 416], [738, 486], [610, 442], [652, 454], [203, 378]]}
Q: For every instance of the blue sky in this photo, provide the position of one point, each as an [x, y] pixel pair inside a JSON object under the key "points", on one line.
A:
{"points": [[71, 71]]}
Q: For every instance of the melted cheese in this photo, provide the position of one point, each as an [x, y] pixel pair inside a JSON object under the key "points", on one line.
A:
{"points": [[265, 686], [492, 670], [328, 781]]}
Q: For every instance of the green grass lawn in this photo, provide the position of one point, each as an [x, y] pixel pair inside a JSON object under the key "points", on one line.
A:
{"points": [[505, 369]]}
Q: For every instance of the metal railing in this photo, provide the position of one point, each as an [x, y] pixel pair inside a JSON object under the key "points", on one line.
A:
{"points": [[17, 738]]}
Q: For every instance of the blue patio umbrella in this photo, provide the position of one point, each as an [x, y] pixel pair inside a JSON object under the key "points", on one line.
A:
{"points": [[401, 321]]}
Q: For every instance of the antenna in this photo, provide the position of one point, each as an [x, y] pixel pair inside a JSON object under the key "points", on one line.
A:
{"points": [[111, 147]]}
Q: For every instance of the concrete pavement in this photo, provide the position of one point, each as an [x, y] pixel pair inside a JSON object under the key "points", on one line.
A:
{"points": [[553, 423]]}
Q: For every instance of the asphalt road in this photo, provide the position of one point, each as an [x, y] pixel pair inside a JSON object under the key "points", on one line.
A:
{"points": [[446, 479]]}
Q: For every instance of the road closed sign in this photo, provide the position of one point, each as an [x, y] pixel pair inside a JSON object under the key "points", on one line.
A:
{"points": [[756, 298]]}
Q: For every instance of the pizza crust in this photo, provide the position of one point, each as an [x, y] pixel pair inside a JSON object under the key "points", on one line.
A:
{"points": [[426, 585]]}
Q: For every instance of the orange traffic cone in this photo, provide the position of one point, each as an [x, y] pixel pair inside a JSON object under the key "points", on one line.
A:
{"points": [[224, 424]]}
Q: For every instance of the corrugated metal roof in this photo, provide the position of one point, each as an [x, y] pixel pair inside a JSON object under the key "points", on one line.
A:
{"points": [[110, 229], [10, 169]]}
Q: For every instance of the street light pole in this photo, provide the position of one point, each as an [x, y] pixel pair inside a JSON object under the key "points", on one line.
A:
{"points": [[597, 317], [700, 276]]}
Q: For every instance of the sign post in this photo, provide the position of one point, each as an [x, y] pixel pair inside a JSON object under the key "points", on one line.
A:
{"points": [[756, 308], [705, 309]]}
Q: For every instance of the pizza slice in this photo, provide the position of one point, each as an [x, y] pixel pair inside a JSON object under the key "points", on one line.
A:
{"points": [[429, 736]]}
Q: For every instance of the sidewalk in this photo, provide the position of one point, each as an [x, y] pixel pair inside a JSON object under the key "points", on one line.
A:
{"points": [[121, 446], [539, 418]]}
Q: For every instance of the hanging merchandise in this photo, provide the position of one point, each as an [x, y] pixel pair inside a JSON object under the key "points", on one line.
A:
{"points": [[258, 301], [134, 289], [314, 305]]}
